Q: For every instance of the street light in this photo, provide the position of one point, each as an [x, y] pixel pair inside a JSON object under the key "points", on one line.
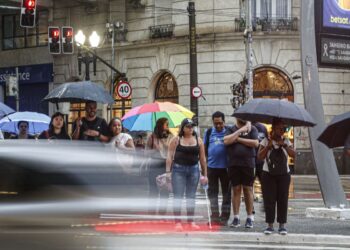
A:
{"points": [[80, 38], [94, 40]]}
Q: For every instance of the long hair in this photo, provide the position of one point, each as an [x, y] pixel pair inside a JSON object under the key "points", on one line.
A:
{"points": [[111, 124], [159, 128], [52, 129]]}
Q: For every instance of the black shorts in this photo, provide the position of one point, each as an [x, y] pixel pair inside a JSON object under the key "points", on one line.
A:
{"points": [[241, 175]]}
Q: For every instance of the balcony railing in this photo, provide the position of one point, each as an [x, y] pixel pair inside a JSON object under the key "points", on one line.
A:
{"points": [[162, 31], [269, 24]]}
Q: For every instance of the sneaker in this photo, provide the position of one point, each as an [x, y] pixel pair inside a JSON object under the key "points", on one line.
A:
{"points": [[178, 227], [269, 231], [249, 223], [282, 231], [235, 223]]}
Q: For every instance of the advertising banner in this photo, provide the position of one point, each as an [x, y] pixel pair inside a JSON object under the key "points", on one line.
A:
{"points": [[336, 14]]}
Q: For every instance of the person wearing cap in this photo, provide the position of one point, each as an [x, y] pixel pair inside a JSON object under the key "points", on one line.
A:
{"points": [[185, 151], [241, 142]]}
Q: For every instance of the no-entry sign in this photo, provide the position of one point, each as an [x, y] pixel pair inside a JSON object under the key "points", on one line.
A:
{"points": [[196, 92], [124, 90]]}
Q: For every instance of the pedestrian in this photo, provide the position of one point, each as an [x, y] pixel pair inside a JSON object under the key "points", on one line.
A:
{"points": [[157, 148], [347, 145], [119, 139], [185, 151], [139, 142], [23, 128], [57, 128], [215, 151], [241, 141], [90, 127], [276, 176]]}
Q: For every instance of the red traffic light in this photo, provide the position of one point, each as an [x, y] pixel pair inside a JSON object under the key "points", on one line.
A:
{"points": [[54, 40], [55, 33], [29, 4], [67, 40]]}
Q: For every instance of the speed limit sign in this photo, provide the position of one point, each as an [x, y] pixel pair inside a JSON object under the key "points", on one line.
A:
{"points": [[124, 90]]}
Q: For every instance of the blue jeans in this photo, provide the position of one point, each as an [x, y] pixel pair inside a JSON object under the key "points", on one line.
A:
{"points": [[184, 180]]}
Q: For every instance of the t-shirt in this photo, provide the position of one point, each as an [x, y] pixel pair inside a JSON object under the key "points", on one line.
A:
{"points": [[265, 142], [98, 124], [217, 149], [120, 139], [239, 154], [52, 136], [347, 142]]}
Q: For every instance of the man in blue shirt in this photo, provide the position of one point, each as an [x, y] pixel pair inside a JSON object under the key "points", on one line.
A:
{"points": [[217, 169]]}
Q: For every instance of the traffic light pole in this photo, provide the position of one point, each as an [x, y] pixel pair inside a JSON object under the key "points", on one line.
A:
{"points": [[193, 56], [249, 51]]}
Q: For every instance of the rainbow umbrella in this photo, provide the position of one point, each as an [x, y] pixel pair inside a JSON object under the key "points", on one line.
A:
{"points": [[144, 117]]}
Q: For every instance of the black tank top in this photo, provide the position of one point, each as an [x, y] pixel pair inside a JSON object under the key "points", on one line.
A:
{"points": [[187, 155]]}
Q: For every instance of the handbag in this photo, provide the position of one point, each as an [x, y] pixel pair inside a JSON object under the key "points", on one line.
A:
{"points": [[163, 183]]}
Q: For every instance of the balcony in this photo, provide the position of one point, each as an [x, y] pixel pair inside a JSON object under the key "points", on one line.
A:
{"points": [[269, 24], [162, 31]]}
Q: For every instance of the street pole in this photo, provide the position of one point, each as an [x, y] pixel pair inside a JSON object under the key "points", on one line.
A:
{"points": [[249, 51], [112, 71], [323, 158], [17, 90], [193, 56]]}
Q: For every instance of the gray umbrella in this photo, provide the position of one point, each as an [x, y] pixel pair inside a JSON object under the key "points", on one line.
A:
{"points": [[337, 131], [5, 110], [265, 110], [77, 92]]}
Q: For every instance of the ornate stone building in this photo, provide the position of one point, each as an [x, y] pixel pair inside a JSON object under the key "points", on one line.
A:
{"points": [[152, 49]]}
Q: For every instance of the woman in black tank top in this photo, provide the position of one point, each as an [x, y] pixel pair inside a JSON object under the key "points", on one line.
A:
{"points": [[184, 153]]}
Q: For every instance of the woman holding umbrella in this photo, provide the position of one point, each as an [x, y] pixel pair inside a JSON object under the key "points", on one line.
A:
{"points": [[276, 177], [57, 128]]}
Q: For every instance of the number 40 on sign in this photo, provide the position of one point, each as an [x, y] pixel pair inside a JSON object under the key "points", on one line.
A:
{"points": [[124, 90]]}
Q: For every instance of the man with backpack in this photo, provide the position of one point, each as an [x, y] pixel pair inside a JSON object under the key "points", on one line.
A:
{"points": [[215, 152], [90, 127]]}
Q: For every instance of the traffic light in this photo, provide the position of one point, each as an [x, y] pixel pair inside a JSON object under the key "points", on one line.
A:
{"points": [[54, 40], [28, 12], [67, 40]]}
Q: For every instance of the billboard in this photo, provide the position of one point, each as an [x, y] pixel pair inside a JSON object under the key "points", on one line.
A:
{"points": [[336, 14]]}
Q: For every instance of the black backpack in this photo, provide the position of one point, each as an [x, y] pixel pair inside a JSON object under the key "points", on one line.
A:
{"points": [[277, 161]]}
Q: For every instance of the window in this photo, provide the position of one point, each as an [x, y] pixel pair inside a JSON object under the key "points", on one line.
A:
{"points": [[269, 9], [166, 89], [272, 83], [16, 37]]}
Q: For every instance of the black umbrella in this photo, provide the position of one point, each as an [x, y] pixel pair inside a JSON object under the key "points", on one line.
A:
{"points": [[77, 92], [265, 110], [337, 131]]}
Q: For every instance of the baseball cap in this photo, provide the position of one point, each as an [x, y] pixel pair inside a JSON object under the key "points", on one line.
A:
{"points": [[187, 121]]}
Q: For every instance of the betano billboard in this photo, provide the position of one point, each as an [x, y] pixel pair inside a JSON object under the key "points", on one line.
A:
{"points": [[336, 14]]}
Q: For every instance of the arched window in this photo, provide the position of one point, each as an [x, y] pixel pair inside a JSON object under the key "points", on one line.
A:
{"points": [[166, 89], [272, 83]]}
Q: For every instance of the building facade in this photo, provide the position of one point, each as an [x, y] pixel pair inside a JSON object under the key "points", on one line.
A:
{"points": [[152, 49]]}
